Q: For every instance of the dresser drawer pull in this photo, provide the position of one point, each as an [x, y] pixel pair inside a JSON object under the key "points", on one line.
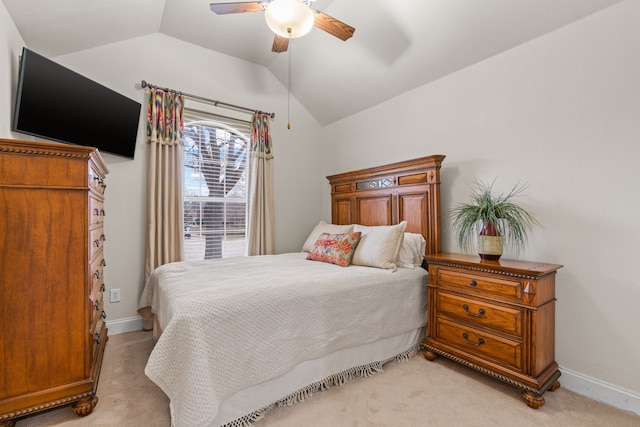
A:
{"points": [[100, 182], [103, 263], [102, 288], [466, 337], [97, 274], [481, 312], [97, 211], [97, 243], [104, 315], [473, 283], [96, 338], [96, 305]]}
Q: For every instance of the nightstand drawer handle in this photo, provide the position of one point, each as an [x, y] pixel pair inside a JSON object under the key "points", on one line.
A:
{"points": [[466, 337], [473, 283], [481, 312]]}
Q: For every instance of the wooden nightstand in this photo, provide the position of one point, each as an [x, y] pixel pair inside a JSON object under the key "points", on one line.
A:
{"points": [[497, 317]]}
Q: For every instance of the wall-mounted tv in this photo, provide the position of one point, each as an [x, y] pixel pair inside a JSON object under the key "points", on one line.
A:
{"points": [[53, 102]]}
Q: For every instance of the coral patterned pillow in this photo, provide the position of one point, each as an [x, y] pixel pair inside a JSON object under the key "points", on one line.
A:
{"points": [[335, 248]]}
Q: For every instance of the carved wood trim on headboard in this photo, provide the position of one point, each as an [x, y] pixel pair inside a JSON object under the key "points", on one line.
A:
{"points": [[386, 195]]}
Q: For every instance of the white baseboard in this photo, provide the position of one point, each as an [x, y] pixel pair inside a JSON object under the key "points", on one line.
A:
{"points": [[571, 380], [600, 391], [128, 324]]}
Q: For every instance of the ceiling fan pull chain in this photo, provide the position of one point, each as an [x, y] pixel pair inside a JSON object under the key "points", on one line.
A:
{"points": [[289, 85]]}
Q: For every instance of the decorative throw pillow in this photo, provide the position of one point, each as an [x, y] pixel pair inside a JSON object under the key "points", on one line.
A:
{"points": [[334, 248], [412, 250], [323, 227], [379, 245]]}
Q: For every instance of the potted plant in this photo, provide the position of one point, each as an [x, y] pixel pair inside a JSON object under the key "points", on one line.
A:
{"points": [[492, 220]]}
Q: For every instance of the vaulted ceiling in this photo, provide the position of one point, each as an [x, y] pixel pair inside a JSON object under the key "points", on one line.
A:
{"points": [[398, 44]]}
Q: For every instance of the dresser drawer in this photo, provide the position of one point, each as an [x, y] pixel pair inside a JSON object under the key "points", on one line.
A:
{"points": [[96, 240], [480, 343], [97, 271], [97, 306], [491, 286], [96, 180], [96, 211], [97, 336], [503, 319]]}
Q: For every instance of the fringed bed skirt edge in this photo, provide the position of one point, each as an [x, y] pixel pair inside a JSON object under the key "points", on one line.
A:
{"points": [[338, 379]]}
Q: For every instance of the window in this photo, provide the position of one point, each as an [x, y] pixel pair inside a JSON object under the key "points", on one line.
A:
{"points": [[215, 185]]}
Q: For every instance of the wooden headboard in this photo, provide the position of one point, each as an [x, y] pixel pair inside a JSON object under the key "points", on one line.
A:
{"points": [[386, 195]]}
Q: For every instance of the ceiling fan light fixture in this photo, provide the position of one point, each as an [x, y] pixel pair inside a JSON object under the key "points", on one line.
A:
{"points": [[289, 18]]}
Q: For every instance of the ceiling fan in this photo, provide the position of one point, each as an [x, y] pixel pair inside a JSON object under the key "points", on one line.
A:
{"points": [[288, 19]]}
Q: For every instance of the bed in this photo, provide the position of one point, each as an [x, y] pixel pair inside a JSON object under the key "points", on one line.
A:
{"points": [[237, 336]]}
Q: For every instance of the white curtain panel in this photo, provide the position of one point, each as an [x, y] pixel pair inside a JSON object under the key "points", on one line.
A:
{"points": [[260, 219], [164, 179]]}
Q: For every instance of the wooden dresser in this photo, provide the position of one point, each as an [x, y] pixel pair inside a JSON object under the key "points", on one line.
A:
{"points": [[52, 330], [497, 317]]}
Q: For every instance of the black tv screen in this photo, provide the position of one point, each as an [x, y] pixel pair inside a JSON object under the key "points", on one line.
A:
{"points": [[56, 103]]}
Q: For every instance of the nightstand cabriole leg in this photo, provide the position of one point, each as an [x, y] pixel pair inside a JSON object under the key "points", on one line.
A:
{"points": [[429, 355], [83, 407], [533, 400]]}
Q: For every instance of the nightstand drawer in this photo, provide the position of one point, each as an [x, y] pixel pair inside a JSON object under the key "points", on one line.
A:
{"points": [[502, 288], [504, 319], [491, 347]]}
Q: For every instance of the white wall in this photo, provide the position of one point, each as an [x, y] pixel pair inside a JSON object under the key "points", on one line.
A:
{"points": [[563, 113]]}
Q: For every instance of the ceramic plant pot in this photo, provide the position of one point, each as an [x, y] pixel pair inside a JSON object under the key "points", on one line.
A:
{"points": [[490, 243]]}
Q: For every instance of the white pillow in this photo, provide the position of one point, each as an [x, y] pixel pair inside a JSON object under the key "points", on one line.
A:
{"points": [[412, 250], [323, 227], [379, 245]]}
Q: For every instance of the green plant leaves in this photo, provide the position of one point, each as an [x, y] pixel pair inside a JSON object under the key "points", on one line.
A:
{"points": [[511, 220]]}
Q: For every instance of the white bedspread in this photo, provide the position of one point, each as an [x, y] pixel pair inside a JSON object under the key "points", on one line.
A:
{"points": [[232, 323]]}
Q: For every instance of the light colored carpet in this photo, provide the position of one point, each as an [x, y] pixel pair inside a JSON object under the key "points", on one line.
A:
{"points": [[417, 393]]}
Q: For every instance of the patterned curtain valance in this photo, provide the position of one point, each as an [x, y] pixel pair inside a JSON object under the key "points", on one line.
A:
{"points": [[164, 117], [261, 137]]}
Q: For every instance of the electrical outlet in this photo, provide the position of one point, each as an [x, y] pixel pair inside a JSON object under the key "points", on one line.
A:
{"points": [[114, 295]]}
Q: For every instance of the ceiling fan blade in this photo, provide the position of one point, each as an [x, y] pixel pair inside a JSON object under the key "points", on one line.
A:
{"points": [[246, 6], [333, 26], [280, 44]]}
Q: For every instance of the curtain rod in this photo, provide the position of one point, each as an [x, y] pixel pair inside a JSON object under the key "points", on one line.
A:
{"points": [[216, 103]]}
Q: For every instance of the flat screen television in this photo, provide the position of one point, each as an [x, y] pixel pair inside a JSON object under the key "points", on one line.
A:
{"points": [[56, 103]]}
